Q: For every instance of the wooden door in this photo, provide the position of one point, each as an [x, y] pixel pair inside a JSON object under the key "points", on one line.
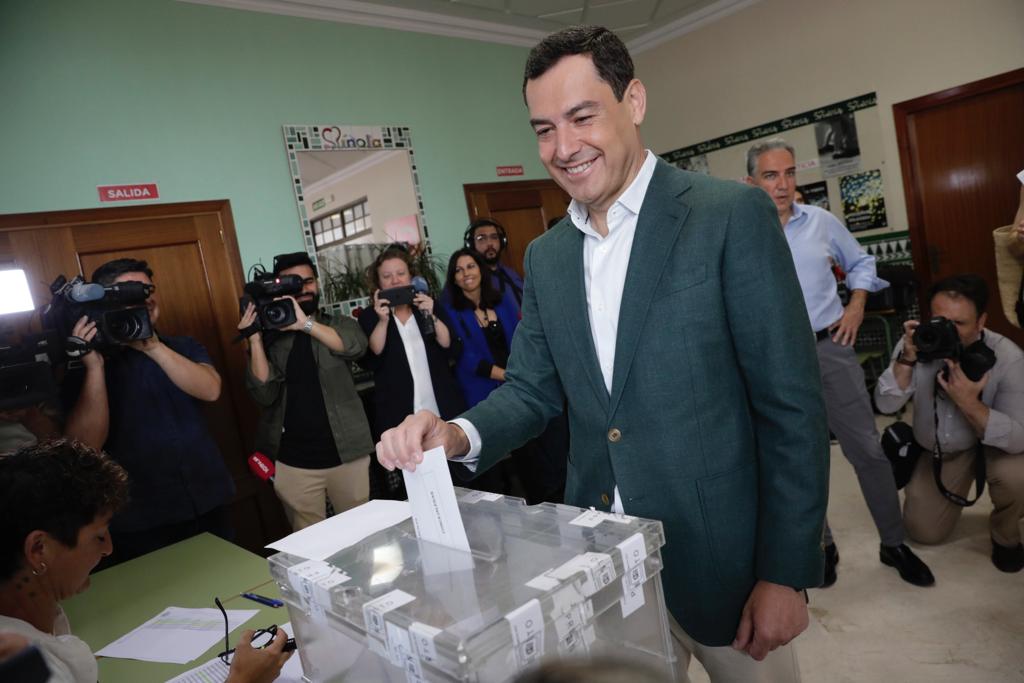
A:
{"points": [[197, 271], [523, 207], [960, 151]]}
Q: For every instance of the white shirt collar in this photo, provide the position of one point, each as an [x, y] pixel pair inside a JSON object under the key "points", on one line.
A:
{"points": [[631, 200], [797, 212]]}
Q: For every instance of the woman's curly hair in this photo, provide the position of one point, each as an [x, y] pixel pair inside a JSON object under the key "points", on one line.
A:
{"points": [[56, 486]]}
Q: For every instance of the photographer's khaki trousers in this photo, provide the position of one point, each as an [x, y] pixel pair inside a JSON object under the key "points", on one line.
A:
{"points": [[303, 492], [929, 517]]}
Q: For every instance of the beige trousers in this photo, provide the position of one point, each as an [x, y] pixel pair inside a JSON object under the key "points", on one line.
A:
{"points": [[303, 492], [726, 665], [929, 517]]}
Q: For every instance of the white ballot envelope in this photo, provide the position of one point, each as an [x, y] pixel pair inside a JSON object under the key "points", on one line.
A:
{"points": [[435, 511]]}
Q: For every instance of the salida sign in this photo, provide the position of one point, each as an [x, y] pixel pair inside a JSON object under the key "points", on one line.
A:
{"points": [[128, 193]]}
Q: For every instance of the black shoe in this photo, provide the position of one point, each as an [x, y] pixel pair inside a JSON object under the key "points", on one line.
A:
{"points": [[831, 560], [911, 568], [1009, 560]]}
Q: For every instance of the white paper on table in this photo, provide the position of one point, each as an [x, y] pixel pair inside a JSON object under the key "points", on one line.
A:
{"points": [[323, 539], [435, 510], [216, 671], [177, 635]]}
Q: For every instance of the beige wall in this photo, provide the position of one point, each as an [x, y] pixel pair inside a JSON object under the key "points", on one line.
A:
{"points": [[782, 57]]}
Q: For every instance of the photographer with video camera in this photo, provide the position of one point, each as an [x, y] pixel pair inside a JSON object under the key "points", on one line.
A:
{"points": [[313, 423], [410, 355], [139, 400], [968, 389]]}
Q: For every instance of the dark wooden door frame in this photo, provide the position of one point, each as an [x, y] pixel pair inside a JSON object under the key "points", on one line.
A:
{"points": [[902, 113], [525, 185], [234, 374], [123, 214]]}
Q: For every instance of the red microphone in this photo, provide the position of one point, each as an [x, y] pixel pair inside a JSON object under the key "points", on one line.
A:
{"points": [[262, 466]]}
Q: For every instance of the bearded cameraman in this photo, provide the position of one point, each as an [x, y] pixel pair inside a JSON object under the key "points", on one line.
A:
{"points": [[313, 423], [970, 404]]}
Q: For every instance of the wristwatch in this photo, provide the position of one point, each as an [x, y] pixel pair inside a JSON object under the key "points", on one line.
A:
{"points": [[903, 361], [308, 326]]}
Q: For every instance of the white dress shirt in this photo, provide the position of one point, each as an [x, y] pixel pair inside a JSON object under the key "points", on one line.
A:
{"points": [[605, 262], [416, 354]]}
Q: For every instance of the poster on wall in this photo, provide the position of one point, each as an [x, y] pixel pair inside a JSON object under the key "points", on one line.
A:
{"points": [[815, 194], [863, 200], [838, 146], [698, 163], [838, 140]]}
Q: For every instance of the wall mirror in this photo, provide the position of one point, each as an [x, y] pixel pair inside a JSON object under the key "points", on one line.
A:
{"points": [[356, 188]]}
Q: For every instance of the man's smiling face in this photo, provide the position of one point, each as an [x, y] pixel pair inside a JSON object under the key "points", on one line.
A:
{"points": [[587, 140]]}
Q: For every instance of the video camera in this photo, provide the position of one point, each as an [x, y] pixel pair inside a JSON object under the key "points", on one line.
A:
{"points": [[26, 361], [938, 338], [119, 310], [265, 290]]}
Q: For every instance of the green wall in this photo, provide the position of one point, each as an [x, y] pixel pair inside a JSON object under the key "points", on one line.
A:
{"points": [[193, 98]]}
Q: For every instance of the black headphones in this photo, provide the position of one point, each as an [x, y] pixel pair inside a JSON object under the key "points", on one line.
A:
{"points": [[467, 237]]}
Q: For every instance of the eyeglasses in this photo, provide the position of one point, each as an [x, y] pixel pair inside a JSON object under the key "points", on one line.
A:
{"points": [[493, 237], [260, 639]]}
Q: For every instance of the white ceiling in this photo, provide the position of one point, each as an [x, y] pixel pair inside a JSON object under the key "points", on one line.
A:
{"points": [[642, 24]]}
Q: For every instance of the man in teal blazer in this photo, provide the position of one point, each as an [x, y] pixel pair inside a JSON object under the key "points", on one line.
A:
{"points": [[699, 403]]}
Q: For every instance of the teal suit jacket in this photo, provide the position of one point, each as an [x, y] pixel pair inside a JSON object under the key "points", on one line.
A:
{"points": [[715, 394]]}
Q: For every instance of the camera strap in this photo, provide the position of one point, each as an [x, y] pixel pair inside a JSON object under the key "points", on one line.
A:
{"points": [[979, 463], [76, 347], [246, 333]]}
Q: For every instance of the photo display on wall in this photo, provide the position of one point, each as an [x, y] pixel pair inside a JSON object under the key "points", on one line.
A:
{"points": [[839, 159]]}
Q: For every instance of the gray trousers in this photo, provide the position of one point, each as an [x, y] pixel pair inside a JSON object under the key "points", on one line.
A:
{"points": [[852, 420]]}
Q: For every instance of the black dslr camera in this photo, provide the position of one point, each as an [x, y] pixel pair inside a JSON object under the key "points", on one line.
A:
{"points": [[272, 313], [938, 339], [119, 310]]}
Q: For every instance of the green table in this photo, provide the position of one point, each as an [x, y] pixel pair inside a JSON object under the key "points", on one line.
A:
{"points": [[186, 574]]}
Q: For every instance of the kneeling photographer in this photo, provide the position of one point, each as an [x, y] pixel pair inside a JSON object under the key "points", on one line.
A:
{"points": [[968, 389], [313, 421], [139, 399]]}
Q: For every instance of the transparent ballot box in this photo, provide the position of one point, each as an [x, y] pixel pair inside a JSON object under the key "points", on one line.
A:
{"points": [[541, 581]]}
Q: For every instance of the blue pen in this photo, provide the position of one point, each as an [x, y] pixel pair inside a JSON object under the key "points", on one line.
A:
{"points": [[269, 602]]}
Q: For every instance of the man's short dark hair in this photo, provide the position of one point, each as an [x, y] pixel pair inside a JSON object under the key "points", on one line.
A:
{"points": [[109, 271], [58, 487], [605, 49], [295, 258], [968, 286]]}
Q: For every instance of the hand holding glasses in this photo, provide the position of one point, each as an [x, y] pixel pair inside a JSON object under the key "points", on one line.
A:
{"points": [[261, 639]]}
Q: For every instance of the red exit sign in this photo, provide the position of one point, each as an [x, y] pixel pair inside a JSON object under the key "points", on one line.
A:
{"points": [[128, 193], [509, 170]]}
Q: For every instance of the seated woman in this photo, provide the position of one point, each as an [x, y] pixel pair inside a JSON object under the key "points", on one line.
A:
{"points": [[409, 356], [56, 500]]}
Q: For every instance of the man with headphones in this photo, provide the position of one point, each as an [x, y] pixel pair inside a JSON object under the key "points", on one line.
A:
{"points": [[487, 237]]}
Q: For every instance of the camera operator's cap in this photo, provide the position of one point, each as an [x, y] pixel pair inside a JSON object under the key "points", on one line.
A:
{"points": [[296, 258]]}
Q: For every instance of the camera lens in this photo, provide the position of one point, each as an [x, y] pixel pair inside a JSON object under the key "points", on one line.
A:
{"points": [[278, 314], [925, 338], [123, 325]]}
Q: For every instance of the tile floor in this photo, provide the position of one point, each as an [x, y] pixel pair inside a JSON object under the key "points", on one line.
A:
{"points": [[872, 627]]}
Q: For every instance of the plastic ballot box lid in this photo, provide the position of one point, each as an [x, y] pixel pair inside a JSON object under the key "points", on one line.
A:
{"points": [[540, 581]]}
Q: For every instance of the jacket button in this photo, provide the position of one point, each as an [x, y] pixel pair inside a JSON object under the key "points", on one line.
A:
{"points": [[605, 499], [614, 435]]}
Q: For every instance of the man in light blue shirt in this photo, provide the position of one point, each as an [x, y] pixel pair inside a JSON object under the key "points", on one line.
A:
{"points": [[816, 238]]}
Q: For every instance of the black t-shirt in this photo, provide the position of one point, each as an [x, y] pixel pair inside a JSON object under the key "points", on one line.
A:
{"points": [[494, 335], [307, 440]]}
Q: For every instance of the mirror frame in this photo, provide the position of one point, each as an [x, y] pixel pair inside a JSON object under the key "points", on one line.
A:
{"points": [[315, 137]]}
